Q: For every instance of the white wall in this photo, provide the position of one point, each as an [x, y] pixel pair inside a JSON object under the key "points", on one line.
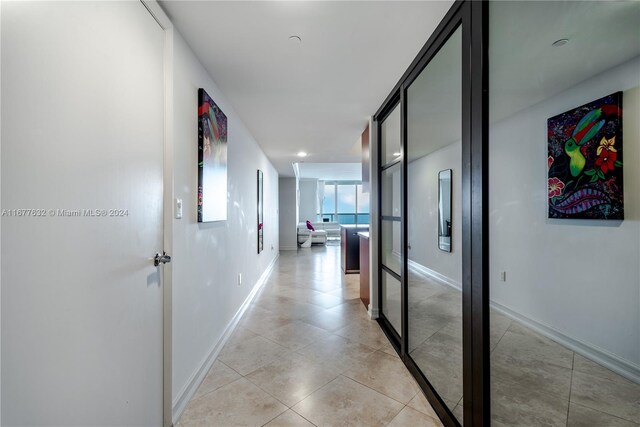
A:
{"points": [[288, 207], [208, 257], [308, 199], [579, 277], [423, 212]]}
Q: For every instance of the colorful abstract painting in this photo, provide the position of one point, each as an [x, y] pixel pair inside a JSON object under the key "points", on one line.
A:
{"points": [[585, 161], [212, 160]]}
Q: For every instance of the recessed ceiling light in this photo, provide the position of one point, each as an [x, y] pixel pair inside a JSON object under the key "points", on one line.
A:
{"points": [[295, 39], [302, 154], [560, 42], [396, 154]]}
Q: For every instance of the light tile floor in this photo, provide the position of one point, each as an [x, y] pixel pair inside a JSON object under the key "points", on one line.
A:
{"points": [[306, 353]]}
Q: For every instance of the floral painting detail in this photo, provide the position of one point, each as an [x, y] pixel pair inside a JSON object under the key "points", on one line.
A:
{"points": [[555, 187], [212, 160], [606, 161], [585, 161], [606, 144]]}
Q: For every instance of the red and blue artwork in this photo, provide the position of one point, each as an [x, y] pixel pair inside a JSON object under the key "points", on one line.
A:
{"points": [[212, 160], [585, 161]]}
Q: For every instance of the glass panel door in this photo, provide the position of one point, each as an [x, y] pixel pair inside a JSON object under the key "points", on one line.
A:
{"points": [[433, 217], [390, 224], [434, 131]]}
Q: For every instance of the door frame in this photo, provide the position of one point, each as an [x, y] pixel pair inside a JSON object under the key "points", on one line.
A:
{"points": [[472, 16], [156, 12]]}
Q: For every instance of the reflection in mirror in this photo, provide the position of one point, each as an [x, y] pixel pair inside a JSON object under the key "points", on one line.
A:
{"points": [[444, 210], [260, 214], [565, 332], [434, 276]]}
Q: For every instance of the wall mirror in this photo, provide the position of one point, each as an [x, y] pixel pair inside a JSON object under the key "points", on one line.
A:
{"points": [[260, 213], [444, 210]]}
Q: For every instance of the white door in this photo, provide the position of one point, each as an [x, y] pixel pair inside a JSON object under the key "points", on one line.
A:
{"points": [[82, 130]]}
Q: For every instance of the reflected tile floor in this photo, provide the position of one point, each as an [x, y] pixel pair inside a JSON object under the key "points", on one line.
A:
{"points": [[535, 381], [305, 353]]}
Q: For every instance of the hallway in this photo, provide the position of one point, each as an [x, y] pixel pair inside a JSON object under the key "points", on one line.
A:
{"points": [[305, 353]]}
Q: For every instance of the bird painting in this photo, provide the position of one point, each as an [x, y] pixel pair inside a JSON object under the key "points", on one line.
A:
{"points": [[586, 128], [585, 161]]}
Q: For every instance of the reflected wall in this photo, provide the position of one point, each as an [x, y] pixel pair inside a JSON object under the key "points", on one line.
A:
{"points": [[564, 293], [434, 297]]}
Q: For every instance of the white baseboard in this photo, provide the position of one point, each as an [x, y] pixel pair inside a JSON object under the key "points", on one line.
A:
{"points": [[620, 366], [184, 396], [374, 313], [440, 278], [289, 248]]}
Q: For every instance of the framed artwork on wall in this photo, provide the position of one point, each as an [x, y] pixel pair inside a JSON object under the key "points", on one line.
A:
{"points": [[260, 212], [585, 161], [444, 209], [212, 160]]}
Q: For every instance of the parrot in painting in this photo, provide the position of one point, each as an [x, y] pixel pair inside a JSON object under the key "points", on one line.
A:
{"points": [[586, 129]]}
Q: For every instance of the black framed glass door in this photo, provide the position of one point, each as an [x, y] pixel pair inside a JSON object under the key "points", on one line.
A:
{"points": [[431, 174], [391, 248]]}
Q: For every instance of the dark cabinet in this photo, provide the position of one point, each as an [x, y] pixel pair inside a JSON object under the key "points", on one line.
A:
{"points": [[350, 247], [364, 269]]}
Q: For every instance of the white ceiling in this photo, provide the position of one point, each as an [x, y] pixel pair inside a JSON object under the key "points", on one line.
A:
{"points": [[315, 96], [434, 102], [331, 171], [434, 106], [526, 69]]}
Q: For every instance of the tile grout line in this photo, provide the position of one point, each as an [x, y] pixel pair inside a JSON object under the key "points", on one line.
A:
{"points": [[288, 407], [285, 404], [276, 415], [501, 336], [303, 417], [396, 415], [373, 389], [573, 362], [606, 413], [220, 361], [207, 393]]}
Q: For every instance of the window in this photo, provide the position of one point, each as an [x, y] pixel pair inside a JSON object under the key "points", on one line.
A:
{"points": [[328, 203], [363, 205], [345, 203]]}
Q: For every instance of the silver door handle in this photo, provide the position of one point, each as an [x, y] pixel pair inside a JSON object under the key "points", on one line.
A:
{"points": [[158, 259]]}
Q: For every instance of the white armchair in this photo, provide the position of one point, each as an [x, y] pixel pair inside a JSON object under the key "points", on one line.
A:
{"points": [[308, 237]]}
